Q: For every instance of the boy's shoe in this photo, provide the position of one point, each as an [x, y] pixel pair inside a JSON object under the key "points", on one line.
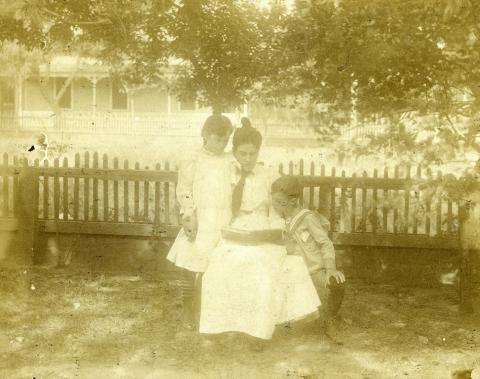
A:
{"points": [[329, 328], [332, 329]]}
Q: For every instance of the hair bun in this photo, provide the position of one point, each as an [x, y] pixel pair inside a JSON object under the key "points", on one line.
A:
{"points": [[245, 121]]}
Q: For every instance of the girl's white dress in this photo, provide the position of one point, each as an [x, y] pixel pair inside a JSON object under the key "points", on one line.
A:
{"points": [[204, 188], [251, 288]]}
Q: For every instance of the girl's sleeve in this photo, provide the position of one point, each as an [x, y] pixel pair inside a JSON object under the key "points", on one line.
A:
{"points": [[186, 174]]}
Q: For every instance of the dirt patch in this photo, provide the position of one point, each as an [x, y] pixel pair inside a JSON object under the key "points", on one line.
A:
{"points": [[75, 323]]}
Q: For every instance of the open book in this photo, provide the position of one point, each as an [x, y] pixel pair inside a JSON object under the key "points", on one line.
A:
{"points": [[254, 230]]}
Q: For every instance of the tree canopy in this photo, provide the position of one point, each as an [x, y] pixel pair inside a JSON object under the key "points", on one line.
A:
{"points": [[388, 60], [377, 59], [218, 45]]}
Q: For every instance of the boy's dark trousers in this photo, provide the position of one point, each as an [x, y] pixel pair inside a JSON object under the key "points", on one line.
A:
{"points": [[331, 296]]}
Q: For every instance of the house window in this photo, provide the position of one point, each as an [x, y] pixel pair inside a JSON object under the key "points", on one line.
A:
{"points": [[119, 96], [188, 105], [65, 100]]}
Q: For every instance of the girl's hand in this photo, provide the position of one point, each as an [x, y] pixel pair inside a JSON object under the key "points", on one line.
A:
{"points": [[190, 226]]}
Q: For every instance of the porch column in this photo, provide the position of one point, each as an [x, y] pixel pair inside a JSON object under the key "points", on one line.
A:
{"points": [[19, 98], [245, 109], [169, 103], [94, 94], [130, 98]]}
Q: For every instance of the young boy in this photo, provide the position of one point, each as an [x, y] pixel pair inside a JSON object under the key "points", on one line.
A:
{"points": [[307, 236]]}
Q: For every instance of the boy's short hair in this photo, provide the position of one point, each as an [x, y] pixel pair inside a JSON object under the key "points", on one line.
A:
{"points": [[289, 186], [217, 124]]}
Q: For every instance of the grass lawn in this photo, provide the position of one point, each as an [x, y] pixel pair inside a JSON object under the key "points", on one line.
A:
{"points": [[79, 323]]}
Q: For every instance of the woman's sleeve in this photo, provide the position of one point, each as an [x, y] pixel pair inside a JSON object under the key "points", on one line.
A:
{"points": [[186, 175]]}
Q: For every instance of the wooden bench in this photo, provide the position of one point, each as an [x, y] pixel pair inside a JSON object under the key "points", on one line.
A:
{"points": [[100, 198]]}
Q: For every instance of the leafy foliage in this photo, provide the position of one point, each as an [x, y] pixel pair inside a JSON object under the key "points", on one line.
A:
{"points": [[223, 43], [414, 65], [217, 45], [389, 61]]}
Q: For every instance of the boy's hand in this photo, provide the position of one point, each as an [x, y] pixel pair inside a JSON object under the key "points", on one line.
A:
{"points": [[337, 275], [190, 226]]}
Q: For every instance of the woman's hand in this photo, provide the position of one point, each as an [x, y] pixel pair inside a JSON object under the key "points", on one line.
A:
{"points": [[190, 226]]}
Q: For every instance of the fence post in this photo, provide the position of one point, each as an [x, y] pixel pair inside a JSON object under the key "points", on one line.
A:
{"points": [[324, 197], [331, 200], [28, 211]]}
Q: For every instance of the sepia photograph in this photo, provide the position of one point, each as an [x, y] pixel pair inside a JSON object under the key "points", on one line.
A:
{"points": [[239, 189]]}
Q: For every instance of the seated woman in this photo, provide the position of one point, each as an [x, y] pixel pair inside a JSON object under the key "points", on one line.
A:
{"points": [[251, 286]]}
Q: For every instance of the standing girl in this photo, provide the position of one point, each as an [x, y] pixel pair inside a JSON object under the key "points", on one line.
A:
{"points": [[204, 195]]}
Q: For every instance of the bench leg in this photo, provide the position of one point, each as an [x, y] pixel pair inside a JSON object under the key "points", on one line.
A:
{"points": [[465, 282]]}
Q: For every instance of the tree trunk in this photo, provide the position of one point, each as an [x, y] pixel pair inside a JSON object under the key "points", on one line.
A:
{"points": [[217, 108]]}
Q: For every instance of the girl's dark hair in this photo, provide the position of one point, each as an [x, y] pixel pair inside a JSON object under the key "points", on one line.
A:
{"points": [[246, 135], [217, 124], [288, 185]]}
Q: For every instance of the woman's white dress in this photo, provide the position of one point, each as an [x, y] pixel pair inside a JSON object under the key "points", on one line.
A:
{"points": [[204, 188], [251, 288]]}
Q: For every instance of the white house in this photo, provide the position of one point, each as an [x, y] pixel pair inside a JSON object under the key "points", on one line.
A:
{"points": [[81, 96]]}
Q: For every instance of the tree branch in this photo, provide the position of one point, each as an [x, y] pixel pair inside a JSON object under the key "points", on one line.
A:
{"points": [[97, 22], [102, 21]]}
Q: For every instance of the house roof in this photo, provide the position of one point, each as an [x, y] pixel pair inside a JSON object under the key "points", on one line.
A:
{"points": [[63, 65]]}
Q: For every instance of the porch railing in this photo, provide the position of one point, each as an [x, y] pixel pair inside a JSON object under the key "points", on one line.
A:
{"points": [[181, 124]]}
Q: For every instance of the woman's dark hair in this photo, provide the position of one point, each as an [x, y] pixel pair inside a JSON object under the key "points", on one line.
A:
{"points": [[245, 121], [246, 135], [289, 186], [217, 124]]}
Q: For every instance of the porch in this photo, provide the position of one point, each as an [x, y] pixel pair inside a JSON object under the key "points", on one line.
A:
{"points": [[108, 122]]}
